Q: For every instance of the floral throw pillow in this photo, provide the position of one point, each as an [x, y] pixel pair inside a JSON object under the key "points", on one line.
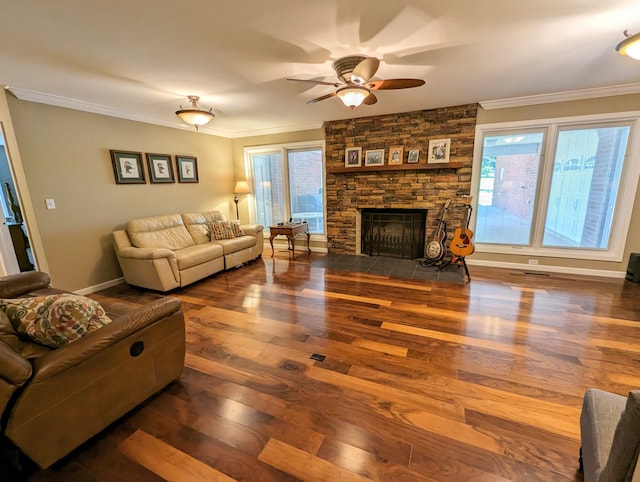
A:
{"points": [[54, 320], [237, 230], [220, 230]]}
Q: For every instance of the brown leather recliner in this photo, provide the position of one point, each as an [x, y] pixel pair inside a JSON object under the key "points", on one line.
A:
{"points": [[52, 400]]}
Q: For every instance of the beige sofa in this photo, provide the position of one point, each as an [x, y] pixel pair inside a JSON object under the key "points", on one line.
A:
{"points": [[167, 252]]}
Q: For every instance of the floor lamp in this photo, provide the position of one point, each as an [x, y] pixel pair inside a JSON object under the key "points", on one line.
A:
{"points": [[242, 187]]}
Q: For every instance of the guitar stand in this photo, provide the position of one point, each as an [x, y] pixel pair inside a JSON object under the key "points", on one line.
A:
{"points": [[460, 262]]}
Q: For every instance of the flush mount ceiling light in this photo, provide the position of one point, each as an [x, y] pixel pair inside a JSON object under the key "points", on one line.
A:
{"points": [[630, 46], [352, 95], [195, 116]]}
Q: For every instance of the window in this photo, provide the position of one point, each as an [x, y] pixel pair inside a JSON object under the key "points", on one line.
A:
{"points": [[288, 182], [562, 188]]}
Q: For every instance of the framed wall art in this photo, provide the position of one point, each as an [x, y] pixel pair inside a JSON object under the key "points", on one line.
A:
{"points": [[127, 167], [439, 150], [396, 155], [160, 168], [374, 157], [187, 167], [353, 157], [414, 156]]}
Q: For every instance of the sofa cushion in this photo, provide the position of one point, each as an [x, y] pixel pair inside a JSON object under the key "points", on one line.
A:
{"points": [[159, 232], [198, 254], [236, 244], [54, 320], [196, 224]]}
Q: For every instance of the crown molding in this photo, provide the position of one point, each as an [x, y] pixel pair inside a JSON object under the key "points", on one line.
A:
{"points": [[561, 96], [59, 101]]}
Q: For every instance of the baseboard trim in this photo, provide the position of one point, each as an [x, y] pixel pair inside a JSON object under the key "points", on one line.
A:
{"points": [[548, 269], [101, 286]]}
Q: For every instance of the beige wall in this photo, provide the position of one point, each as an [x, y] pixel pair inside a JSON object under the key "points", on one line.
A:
{"points": [[621, 103], [65, 156]]}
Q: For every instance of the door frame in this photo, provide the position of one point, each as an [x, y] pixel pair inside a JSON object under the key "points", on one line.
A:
{"points": [[20, 182]]}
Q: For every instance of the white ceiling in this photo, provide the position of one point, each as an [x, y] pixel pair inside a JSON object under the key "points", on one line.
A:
{"points": [[139, 59]]}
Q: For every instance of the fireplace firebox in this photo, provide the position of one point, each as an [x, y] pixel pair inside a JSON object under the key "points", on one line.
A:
{"points": [[397, 233]]}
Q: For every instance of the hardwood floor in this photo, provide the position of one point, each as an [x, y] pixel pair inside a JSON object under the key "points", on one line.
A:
{"points": [[422, 381]]}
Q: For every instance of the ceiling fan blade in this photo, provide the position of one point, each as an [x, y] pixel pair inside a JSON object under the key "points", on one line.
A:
{"points": [[394, 84], [365, 70], [319, 82], [370, 99], [318, 99]]}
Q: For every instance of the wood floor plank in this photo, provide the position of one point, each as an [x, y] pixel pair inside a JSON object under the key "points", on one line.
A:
{"points": [[305, 466], [343, 296], [168, 462], [380, 281]]}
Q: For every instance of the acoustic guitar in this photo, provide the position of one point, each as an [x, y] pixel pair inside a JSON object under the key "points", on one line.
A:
{"points": [[436, 248], [461, 244]]}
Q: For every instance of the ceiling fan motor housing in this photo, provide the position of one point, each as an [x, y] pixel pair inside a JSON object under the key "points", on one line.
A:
{"points": [[344, 66]]}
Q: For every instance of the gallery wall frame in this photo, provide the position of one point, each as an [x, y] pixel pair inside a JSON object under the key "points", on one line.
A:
{"points": [[128, 167], [187, 168], [353, 157], [160, 168]]}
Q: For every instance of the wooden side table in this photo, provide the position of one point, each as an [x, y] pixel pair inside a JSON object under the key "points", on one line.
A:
{"points": [[290, 231]]}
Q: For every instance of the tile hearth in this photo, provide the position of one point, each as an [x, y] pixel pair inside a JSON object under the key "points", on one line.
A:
{"points": [[388, 266]]}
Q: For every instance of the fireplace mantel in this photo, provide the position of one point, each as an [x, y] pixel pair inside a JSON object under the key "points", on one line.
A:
{"points": [[401, 167]]}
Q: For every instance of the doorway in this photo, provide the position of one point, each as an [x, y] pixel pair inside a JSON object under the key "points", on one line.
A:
{"points": [[15, 248]]}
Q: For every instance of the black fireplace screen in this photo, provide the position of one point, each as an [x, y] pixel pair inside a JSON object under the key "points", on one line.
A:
{"points": [[393, 232]]}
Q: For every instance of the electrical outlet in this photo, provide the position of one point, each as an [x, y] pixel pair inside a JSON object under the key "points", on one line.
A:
{"points": [[533, 261], [51, 204]]}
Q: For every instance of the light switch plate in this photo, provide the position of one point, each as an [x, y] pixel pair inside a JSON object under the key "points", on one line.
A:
{"points": [[51, 204]]}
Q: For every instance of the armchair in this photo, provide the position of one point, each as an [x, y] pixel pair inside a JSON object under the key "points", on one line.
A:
{"points": [[52, 400]]}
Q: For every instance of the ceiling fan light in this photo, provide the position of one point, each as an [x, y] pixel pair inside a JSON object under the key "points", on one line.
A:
{"points": [[195, 116], [352, 95], [630, 46]]}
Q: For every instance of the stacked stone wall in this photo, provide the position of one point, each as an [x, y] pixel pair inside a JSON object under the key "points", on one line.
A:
{"points": [[347, 192]]}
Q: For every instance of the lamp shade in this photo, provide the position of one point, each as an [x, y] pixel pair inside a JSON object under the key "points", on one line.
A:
{"points": [[352, 95], [630, 46], [195, 116], [242, 187]]}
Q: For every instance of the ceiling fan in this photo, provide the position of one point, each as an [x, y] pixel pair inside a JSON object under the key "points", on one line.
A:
{"points": [[355, 86]]}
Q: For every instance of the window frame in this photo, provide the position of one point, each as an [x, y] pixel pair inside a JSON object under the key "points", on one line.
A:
{"points": [[626, 194], [283, 149]]}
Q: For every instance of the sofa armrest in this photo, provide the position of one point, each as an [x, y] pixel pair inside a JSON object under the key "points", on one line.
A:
{"points": [[74, 353], [146, 253], [13, 368], [252, 229], [15, 285]]}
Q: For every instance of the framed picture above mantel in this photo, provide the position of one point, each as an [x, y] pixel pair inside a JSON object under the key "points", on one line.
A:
{"points": [[374, 157], [439, 150], [353, 157]]}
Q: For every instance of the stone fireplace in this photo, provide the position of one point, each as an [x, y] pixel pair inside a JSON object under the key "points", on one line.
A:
{"points": [[350, 191]]}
